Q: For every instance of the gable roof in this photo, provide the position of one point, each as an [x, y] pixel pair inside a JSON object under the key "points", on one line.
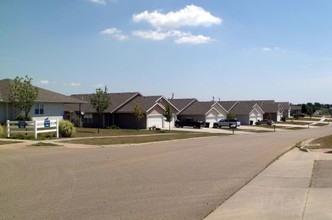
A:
{"points": [[285, 105], [244, 107], [44, 95], [182, 104], [145, 102], [198, 108], [117, 101], [270, 107], [227, 104]]}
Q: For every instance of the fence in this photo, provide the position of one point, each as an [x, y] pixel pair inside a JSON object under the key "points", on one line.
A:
{"points": [[33, 127]]}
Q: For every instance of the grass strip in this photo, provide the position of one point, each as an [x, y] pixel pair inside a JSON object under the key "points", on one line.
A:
{"points": [[325, 142], [44, 144], [9, 142], [93, 132], [139, 139]]}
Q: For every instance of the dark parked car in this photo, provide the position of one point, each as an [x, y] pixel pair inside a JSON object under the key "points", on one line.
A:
{"points": [[265, 122], [187, 122]]}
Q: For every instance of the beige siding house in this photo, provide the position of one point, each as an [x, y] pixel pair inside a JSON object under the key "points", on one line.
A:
{"points": [[47, 105]]}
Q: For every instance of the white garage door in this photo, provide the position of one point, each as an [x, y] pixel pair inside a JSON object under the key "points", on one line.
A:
{"points": [[210, 120], [166, 124], [279, 117], [255, 119], [155, 121]]}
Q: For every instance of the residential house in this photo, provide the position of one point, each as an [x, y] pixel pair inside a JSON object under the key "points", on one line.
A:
{"points": [[121, 111], [47, 105], [208, 112], [153, 108], [286, 108], [84, 115], [296, 110], [272, 110], [247, 112]]}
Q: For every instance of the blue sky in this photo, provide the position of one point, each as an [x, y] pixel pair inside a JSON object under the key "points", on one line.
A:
{"points": [[227, 49]]}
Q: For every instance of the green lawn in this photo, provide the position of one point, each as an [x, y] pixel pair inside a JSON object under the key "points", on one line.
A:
{"points": [[320, 124], [325, 142], [135, 139], [93, 132], [44, 144], [8, 142]]}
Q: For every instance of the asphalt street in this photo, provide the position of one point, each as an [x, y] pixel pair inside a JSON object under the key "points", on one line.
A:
{"points": [[184, 179]]}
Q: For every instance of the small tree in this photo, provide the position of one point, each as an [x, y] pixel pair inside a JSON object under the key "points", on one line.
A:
{"points": [[100, 101], [138, 113], [168, 115], [23, 95], [230, 116], [310, 110]]}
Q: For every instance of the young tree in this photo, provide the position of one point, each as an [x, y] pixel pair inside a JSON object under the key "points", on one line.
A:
{"points": [[23, 95], [310, 110], [168, 115], [138, 113], [100, 101], [230, 116]]}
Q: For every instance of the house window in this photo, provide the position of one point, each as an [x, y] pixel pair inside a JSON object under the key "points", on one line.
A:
{"points": [[39, 109], [88, 118]]}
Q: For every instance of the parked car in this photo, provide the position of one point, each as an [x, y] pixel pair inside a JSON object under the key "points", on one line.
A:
{"points": [[265, 122], [231, 123], [187, 122]]}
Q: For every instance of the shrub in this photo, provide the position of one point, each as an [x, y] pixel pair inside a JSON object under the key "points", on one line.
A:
{"points": [[114, 127], [1, 131], [22, 118], [66, 129]]}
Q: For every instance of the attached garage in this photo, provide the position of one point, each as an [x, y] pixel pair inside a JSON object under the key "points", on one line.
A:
{"points": [[247, 112], [155, 121], [254, 118], [279, 116], [213, 116]]}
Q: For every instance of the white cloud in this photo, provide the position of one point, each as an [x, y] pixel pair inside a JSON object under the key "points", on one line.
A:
{"points": [[192, 39], [100, 2], [158, 34], [270, 48], [73, 84], [167, 25], [191, 15], [117, 34], [178, 36], [44, 82]]}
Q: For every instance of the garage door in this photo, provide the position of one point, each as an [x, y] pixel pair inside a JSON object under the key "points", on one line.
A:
{"points": [[279, 117], [210, 120], [166, 124], [254, 119], [155, 121]]}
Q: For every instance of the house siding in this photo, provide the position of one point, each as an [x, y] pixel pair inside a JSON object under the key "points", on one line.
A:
{"points": [[129, 121], [4, 113], [51, 111], [244, 119]]}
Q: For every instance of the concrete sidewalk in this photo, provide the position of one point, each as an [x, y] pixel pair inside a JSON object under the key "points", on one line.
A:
{"points": [[296, 186]]}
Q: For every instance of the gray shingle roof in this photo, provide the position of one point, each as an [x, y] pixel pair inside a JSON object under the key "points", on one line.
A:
{"points": [[285, 105], [198, 108], [243, 107], [270, 107], [181, 104], [145, 102], [43, 94], [117, 101], [227, 105]]}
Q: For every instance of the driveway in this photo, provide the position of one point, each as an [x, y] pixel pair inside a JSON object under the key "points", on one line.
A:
{"points": [[176, 180]]}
